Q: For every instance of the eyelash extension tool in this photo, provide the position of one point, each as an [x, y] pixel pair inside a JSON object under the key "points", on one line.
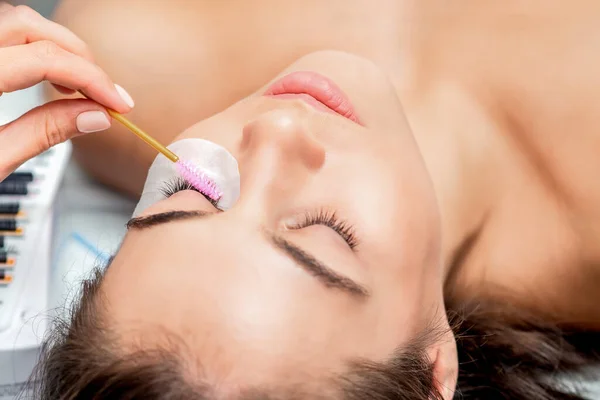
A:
{"points": [[187, 170], [190, 173]]}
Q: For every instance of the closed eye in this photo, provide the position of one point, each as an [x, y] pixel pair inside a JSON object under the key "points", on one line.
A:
{"points": [[178, 184], [331, 220]]}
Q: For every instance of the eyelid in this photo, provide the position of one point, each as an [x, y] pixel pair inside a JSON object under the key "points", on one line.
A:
{"points": [[329, 219]]}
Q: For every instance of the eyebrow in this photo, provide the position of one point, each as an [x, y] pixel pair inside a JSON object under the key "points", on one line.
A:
{"points": [[316, 268], [325, 275], [151, 220]]}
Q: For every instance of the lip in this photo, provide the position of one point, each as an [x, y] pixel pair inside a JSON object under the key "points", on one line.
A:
{"points": [[316, 90]]}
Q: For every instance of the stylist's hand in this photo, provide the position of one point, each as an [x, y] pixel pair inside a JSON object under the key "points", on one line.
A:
{"points": [[32, 50]]}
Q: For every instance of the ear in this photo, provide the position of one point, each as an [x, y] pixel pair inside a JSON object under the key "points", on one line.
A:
{"points": [[445, 365]]}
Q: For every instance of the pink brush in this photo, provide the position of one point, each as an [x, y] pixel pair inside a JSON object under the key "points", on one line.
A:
{"points": [[191, 174], [198, 179]]}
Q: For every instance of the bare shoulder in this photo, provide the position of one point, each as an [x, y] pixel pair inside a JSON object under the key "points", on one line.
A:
{"points": [[548, 100], [534, 65]]}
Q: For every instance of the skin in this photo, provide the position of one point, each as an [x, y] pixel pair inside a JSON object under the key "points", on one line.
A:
{"points": [[501, 103], [281, 321]]}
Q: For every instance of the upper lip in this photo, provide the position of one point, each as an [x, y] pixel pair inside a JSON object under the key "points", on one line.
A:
{"points": [[317, 86]]}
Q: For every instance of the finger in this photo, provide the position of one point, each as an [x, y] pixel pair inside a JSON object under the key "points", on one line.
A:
{"points": [[26, 65], [22, 25], [64, 90], [46, 126], [4, 6]]}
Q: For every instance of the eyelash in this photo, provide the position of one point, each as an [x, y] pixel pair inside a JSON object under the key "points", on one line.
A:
{"points": [[331, 220], [179, 184]]}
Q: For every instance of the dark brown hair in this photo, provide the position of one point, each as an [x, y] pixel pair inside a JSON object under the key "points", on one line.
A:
{"points": [[501, 356], [507, 352], [79, 361]]}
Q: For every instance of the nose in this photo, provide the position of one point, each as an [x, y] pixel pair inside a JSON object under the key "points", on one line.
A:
{"points": [[278, 154]]}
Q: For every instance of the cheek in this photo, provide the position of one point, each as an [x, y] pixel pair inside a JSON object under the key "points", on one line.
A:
{"points": [[371, 186], [391, 201]]}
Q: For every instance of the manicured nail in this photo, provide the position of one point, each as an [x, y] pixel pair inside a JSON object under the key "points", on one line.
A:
{"points": [[92, 121], [125, 96]]}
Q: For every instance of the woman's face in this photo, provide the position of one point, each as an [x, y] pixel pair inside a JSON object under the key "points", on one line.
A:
{"points": [[331, 253]]}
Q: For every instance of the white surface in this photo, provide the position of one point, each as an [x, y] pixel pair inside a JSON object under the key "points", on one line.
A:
{"points": [[13, 105], [24, 301], [27, 293], [89, 211]]}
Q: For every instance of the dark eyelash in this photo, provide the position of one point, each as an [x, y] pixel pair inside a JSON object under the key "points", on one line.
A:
{"points": [[178, 184], [330, 219]]}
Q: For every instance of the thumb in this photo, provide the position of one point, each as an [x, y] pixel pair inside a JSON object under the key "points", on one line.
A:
{"points": [[46, 126]]}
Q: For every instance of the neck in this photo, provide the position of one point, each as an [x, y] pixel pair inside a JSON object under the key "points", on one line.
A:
{"points": [[463, 161], [458, 139]]}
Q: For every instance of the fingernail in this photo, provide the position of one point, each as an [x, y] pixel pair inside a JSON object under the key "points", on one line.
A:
{"points": [[92, 121], [125, 96]]}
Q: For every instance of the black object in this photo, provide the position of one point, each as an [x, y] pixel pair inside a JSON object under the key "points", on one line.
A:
{"points": [[10, 208], [2, 275], [3, 256], [13, 187], [9, 225], [1, 242], [20, 177]]}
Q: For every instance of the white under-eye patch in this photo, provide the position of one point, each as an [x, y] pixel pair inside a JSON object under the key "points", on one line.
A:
{"points": [[210, 158]]}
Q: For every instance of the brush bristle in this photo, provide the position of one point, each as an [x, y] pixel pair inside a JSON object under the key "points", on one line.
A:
{"points": [[198, 179]]}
